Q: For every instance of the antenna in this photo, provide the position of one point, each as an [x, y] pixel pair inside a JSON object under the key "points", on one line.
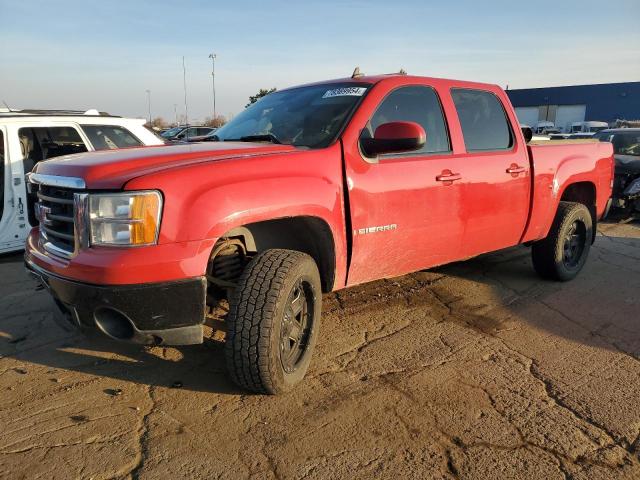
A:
{"points": [[8, 107], [356, 73], [402, 71]]}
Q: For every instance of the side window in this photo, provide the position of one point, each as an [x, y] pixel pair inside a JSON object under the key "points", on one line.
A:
{"points": [[42, 143], [109, 137], [483, 120], [415, 104]]}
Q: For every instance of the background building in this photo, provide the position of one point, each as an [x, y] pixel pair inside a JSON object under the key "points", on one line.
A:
{"points": [[563, 105]]}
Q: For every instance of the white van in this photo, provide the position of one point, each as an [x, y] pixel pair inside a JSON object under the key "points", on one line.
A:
{"points": [[543, 126], [29, 136], [588, 127]]}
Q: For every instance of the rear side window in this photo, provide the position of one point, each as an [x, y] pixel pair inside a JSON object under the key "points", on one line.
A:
{"points": [[483, 120], [415, 104], [109, 137], [627, 143]]}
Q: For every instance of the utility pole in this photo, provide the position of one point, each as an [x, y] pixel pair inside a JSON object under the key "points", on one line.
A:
{"points": [[184, 83], [212, 56], [149, 104], [175, 112]]}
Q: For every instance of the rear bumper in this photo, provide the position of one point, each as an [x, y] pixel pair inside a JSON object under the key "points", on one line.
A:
{"points": [[165, 313]]}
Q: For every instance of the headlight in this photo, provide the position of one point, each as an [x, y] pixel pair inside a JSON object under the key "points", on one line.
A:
{"points": [[127, 219]]}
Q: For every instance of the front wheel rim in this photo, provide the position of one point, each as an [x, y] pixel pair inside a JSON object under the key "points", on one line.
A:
{"points": [[574, 244], [297, 325]]}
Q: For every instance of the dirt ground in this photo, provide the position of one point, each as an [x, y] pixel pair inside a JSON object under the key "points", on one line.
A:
{"points": [[475, 370]]}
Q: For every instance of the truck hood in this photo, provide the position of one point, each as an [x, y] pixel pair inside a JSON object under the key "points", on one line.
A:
{"points": [[112, 169]]}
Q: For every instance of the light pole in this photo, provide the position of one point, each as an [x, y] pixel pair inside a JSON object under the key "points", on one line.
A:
{"points": [[212, 56], [175, 112], [184, 83], [149, 103]]}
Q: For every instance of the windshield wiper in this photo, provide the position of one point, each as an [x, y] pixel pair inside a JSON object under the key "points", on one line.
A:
{"points": [[267, 137]]}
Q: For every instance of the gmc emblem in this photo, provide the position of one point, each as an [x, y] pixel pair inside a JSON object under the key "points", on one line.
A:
{"points": [[42, 214]]}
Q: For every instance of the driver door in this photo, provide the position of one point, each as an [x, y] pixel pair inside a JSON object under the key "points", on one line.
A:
{"points": [[404, 213]]}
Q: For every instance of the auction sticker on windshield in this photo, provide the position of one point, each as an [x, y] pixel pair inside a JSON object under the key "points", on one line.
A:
{"points": [[345, 92]]}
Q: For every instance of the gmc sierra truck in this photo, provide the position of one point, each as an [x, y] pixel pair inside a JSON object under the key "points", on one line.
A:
{"points": [[312, 189]]}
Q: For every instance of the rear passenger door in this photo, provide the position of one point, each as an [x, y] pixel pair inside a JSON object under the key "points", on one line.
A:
{"points": [[495, 188], [38, 143]]}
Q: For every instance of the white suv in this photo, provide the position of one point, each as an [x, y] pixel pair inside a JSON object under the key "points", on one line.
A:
{"points": [[30, 136]]}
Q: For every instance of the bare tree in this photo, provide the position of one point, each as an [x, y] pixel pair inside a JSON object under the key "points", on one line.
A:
{"points": [[217, 122], [182, 120], [158, 123]]}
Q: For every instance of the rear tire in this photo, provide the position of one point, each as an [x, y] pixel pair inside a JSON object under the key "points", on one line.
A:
{"points": [[273, 321], [563, 253]]}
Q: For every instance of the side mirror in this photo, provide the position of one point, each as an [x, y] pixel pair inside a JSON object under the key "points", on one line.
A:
{"points": [[394, 137], [528, 133]]}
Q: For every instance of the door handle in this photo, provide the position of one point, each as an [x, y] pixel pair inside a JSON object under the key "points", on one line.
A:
{"points": [[448, 176], [515, 169]]}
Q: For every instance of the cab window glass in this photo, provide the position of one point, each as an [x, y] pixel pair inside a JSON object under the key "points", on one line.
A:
{"points": [[414, 104], [109, 137], [624, 143], [483, 120]]}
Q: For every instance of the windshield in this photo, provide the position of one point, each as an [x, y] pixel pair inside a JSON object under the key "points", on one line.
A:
{"points": [[624, 143], [172, 132], [306, 116], [597, 129]]}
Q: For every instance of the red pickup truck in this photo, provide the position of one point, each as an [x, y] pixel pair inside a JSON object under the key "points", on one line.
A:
{"points": [[311, 189]]}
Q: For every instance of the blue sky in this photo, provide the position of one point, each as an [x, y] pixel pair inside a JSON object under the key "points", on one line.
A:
{"points": [[105, 54]]}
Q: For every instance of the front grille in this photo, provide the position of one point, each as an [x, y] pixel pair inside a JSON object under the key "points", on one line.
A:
{"points": [[57, 216]]}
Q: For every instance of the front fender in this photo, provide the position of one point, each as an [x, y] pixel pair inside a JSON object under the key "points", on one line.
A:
{"points": [[204, 201]]}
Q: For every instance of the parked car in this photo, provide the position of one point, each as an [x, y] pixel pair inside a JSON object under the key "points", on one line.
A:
{"points": [[626, 149], [30, 136], [210, 137], [184, 133], [559, 136], [543, 127], [311, 189]]}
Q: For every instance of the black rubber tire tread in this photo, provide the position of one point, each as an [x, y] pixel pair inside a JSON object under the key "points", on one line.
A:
{"points": [[547, 253], [253, 319]]}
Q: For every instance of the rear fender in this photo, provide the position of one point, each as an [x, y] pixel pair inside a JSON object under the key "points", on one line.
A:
{"points": [[553, 178]]}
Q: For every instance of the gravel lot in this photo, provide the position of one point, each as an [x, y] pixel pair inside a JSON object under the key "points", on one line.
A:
{"points": [[474, 370]]}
